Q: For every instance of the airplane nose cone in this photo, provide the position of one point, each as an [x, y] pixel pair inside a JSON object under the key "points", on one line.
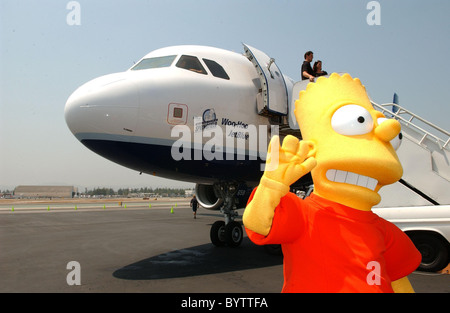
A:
{"points": [[104, 107]]}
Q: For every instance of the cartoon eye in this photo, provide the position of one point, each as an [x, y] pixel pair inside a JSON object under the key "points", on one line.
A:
{"points": [[352, 120], [397, 141]]}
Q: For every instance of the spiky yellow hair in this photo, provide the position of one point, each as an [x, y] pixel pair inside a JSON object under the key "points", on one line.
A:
{"points": [[324, 93]]}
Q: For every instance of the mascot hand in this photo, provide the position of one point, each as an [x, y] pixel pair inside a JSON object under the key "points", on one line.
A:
{"points": [[288, 163], [285, 165]]}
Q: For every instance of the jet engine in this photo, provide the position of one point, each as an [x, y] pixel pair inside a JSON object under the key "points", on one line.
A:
{"points": [[207, 197]]}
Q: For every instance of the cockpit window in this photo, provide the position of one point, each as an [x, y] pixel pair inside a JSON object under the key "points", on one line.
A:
{"points": [[156, 62], [191, 63], [216, 69]]}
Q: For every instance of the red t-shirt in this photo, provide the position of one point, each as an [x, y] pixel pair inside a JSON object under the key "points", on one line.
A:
{"points": [[329, 247]]}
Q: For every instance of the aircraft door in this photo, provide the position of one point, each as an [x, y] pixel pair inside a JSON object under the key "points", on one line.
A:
{"points": [[274, 92]]}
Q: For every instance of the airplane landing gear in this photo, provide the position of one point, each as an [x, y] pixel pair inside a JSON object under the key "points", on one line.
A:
{"points": [[228, 232], [217, 233]]}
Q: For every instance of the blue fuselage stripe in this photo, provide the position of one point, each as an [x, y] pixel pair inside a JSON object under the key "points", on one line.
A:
{"points": [[154, 156]]}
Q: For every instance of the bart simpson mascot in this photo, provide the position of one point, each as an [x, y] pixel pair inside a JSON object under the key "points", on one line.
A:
{"points": [[332, 241]]}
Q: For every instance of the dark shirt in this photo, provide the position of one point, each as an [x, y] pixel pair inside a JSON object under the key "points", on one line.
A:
{"points": [[320, 74], [194, 204], [306, 66]]}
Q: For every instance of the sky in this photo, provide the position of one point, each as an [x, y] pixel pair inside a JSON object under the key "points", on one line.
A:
{"points": [[44, 58]]}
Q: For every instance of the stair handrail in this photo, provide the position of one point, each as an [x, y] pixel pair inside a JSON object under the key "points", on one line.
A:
{"points": [[443, 144]]}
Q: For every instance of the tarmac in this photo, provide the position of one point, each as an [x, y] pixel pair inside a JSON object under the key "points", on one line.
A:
{"points": [[152, 246]]}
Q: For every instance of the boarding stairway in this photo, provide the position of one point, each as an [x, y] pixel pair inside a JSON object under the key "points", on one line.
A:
{"points": [[425, 157]]}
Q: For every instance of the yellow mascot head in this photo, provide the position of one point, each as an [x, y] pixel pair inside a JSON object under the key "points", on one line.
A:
{"points": [[353, 149]]}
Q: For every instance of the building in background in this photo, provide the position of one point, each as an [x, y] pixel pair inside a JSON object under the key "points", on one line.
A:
{"points": [[45, 192]]}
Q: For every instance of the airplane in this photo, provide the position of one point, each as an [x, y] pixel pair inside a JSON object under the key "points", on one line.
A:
{"points": [[193, 113], [132, 118]]}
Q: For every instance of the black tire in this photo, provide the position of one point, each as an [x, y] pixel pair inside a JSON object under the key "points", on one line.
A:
{"points": [[434, 250], [217, 233], [234, 234]]}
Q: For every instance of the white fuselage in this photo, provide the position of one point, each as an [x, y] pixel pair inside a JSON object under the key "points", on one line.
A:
{"points": [[130, 117]]}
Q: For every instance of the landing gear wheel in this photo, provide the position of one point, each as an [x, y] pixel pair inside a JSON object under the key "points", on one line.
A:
{"points": [[233, 234], [217, 233]]}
